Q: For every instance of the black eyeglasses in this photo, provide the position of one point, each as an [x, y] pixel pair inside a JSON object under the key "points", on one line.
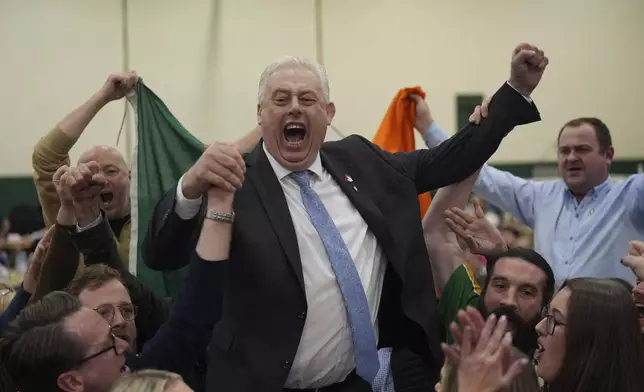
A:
{"points": [[551, 323], [103, 351], [108, 311]]}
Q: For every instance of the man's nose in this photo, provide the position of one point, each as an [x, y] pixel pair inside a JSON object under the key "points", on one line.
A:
{"points": [[509, 300], [295, 106], [540, 328], [572, 156], [118, 318], [121, 345]]}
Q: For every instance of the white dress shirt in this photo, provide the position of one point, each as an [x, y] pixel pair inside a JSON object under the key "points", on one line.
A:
{"points": [[325, 354]]}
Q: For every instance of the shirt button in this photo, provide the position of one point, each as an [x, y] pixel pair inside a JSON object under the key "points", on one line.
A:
{"points": [[566, 262], [287, 364], [301, 315], [571, 238], [576, 215]]}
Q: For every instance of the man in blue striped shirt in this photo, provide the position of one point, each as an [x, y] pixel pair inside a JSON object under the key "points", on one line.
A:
{"points": [[582, 221]]}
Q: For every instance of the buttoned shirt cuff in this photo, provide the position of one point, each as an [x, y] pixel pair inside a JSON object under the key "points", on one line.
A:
{"points": [[515, 89], [95, 223], [184, 207]]}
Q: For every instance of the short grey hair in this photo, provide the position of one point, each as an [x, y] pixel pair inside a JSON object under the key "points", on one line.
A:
{"points": [[293, 61]]}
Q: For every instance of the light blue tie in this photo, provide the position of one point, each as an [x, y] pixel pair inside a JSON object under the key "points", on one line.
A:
{"points": [[368, 363]]}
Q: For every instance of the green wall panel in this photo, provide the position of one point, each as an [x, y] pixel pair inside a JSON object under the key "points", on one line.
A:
{"points": [[15, 191]]}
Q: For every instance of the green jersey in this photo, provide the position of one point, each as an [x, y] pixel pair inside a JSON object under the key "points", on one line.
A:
{"points": [[462, 290]]}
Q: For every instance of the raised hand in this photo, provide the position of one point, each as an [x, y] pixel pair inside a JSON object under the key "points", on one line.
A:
{"points": [[479, 234], [64, 195], [220, 166], [635, 258], [527, 67], [482, 365], [470, 318], [84, 183], [118, 85], [423, 118], [30, 281], [480, 111]]}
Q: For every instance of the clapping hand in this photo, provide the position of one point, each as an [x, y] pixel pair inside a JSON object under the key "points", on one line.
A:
{"points": [[30, 281], [482, 365], [635, 258], [479, 234]]}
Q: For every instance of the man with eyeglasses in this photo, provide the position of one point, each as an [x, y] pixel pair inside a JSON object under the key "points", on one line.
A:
{"points": [[100, 287]]}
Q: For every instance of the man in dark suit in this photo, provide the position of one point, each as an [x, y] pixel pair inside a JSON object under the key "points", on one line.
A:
{"points": [[328, 249]]}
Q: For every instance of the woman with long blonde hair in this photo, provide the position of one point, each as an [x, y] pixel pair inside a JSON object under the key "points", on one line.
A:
{"points": [[151, 381]]}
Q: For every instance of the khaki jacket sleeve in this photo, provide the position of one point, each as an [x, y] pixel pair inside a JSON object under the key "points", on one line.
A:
{"points": [[50, 153]]}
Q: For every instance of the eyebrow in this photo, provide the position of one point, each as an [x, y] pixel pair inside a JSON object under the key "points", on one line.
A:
{"points": [[556, 312]]}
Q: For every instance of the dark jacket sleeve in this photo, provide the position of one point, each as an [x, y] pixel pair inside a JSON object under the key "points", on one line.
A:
{"points": [[170, 240], [458, 157], [60, 263], [98, 246], [18, 303], [182, 339]]}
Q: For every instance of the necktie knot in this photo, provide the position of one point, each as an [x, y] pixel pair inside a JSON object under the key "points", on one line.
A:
{"points": [[302, 178]]}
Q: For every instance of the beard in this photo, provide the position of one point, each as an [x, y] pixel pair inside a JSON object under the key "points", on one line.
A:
{"points": [[524, 335]]}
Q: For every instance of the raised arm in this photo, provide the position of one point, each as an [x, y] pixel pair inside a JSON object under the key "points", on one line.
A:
{"points": [[508, 192], [247, 142], [185, 335], [52, 151], [460, 156], [176, 217], [444, 251]]}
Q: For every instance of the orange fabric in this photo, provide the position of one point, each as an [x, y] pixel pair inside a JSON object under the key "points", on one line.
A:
{"points": [[396, 132]]}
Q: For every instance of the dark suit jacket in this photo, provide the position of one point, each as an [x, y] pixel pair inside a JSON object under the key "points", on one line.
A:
{"points": [[265, 305]]}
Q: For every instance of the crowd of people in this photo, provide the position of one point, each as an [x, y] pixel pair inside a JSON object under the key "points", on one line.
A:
{"points": [[309, 267]]}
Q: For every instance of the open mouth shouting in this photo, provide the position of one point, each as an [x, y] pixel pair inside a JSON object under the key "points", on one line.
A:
{"points": [[295, 133], [106, 197]]}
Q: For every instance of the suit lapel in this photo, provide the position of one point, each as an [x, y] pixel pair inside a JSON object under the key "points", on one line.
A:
{"points": [[350, 180], [271, 195]]}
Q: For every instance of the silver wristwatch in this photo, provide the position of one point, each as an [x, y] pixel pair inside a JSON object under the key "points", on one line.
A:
{"points": [[228, 217]]}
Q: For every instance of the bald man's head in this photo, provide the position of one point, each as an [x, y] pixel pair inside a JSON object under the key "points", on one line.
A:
{"points": [[116, 195]]}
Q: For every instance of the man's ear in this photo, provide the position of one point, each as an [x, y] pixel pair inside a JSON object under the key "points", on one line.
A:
{"points": [[330, 112], [71, 381], [259, 114]]}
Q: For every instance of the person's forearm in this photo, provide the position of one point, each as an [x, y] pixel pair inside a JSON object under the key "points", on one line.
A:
{"points": [[97, 244], [433, 135], [19, 301], [214, 240], [86, 213], [75, 122], [247, 142], [66, 216], [445, 253]]}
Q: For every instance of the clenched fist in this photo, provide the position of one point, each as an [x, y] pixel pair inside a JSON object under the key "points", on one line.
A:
{"points": [[528, 64], [64, 195], [84, 184], [220, 166], [118, 85]]}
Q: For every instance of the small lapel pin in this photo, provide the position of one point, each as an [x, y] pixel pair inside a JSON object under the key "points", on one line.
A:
{"points": [[348, 179], [592, 211]]}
